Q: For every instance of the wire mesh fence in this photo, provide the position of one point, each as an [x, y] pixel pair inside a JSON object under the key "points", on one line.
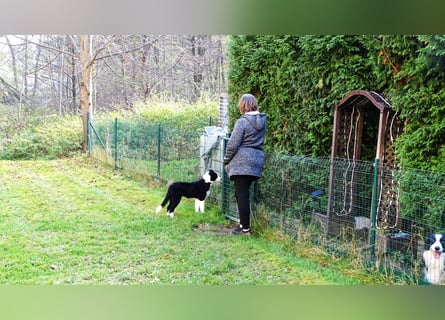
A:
{"points": [[381, 214], [147, 149]]}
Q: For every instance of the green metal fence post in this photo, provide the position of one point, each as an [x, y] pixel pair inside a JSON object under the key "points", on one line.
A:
{"points": [[115, 143], [225, 182], [88, 135], [159, 150], [374, 211]]}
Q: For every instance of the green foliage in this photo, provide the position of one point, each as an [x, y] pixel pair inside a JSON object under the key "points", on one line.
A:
{"points": [[156, 136], [30, 134], [420, 95], [422, 199], [290, 180], [299, 79], [179, 115], [46, 138]]}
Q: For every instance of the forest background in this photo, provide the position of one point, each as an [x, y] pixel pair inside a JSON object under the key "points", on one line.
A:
{"points": [[297, 79]]}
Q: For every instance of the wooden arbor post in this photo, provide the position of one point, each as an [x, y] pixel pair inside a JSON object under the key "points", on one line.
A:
{"points": [[347, 141]]}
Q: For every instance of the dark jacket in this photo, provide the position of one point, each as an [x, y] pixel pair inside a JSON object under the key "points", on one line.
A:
{"points": [[244, 152]]}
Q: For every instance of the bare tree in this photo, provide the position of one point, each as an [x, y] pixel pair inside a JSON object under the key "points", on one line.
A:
{"points": [[86, 64], [14, 62], [198, 50], [86, 60], [56, 71]]}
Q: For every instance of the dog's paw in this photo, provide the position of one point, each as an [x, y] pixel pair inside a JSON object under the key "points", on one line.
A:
{"points": [[158, 209]]}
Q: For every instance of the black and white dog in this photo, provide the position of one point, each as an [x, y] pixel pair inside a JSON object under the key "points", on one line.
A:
{"points": [[434, 258], [198, 190]]}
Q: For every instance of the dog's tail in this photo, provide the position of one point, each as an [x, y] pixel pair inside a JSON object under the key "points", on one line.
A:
{"points": [[164, 202]]}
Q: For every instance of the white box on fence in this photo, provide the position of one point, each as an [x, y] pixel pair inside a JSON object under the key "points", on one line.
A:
{"points": [[211, 149]]}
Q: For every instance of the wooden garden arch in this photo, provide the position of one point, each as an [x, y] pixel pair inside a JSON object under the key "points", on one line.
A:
{"points": [[365, 127]]}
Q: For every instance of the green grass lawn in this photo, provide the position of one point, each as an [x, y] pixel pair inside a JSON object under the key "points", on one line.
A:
{"points": [[74, 221]]}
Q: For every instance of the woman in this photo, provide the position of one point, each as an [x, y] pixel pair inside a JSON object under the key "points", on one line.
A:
{"points": [[244, 157]]}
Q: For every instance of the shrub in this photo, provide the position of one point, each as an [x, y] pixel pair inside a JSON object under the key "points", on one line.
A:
{"points": [[179, 115], [53, 138]]}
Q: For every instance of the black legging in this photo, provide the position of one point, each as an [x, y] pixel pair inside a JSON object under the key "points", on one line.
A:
{"points": [[242, 195]]}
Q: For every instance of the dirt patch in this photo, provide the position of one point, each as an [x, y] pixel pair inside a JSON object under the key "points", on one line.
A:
{"points": [[212, 228]]}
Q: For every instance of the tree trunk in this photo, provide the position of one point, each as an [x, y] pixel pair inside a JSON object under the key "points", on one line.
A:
{"points": [[73, 78], [198, 51], [36, 67], [86, 65], [146, 89]]}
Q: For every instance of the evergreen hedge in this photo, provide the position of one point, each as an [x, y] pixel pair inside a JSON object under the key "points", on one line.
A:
{"points": [[299, 78]]}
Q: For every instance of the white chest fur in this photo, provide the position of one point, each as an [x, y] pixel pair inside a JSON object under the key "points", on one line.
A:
{"points": [[434, 267]]}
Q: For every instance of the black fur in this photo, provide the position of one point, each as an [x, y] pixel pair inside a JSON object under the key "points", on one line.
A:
{"points": [[198, 190]]}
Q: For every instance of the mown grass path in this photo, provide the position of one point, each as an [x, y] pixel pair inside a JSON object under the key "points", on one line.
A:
{"points": [[73, 221]]}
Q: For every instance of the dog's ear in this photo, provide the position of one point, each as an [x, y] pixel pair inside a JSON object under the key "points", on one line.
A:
{"points": [[429, 240], [213, 175], [442, 240]]}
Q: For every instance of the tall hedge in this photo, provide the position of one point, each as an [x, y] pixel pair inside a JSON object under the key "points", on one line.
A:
{"points": [[298, 80]]}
